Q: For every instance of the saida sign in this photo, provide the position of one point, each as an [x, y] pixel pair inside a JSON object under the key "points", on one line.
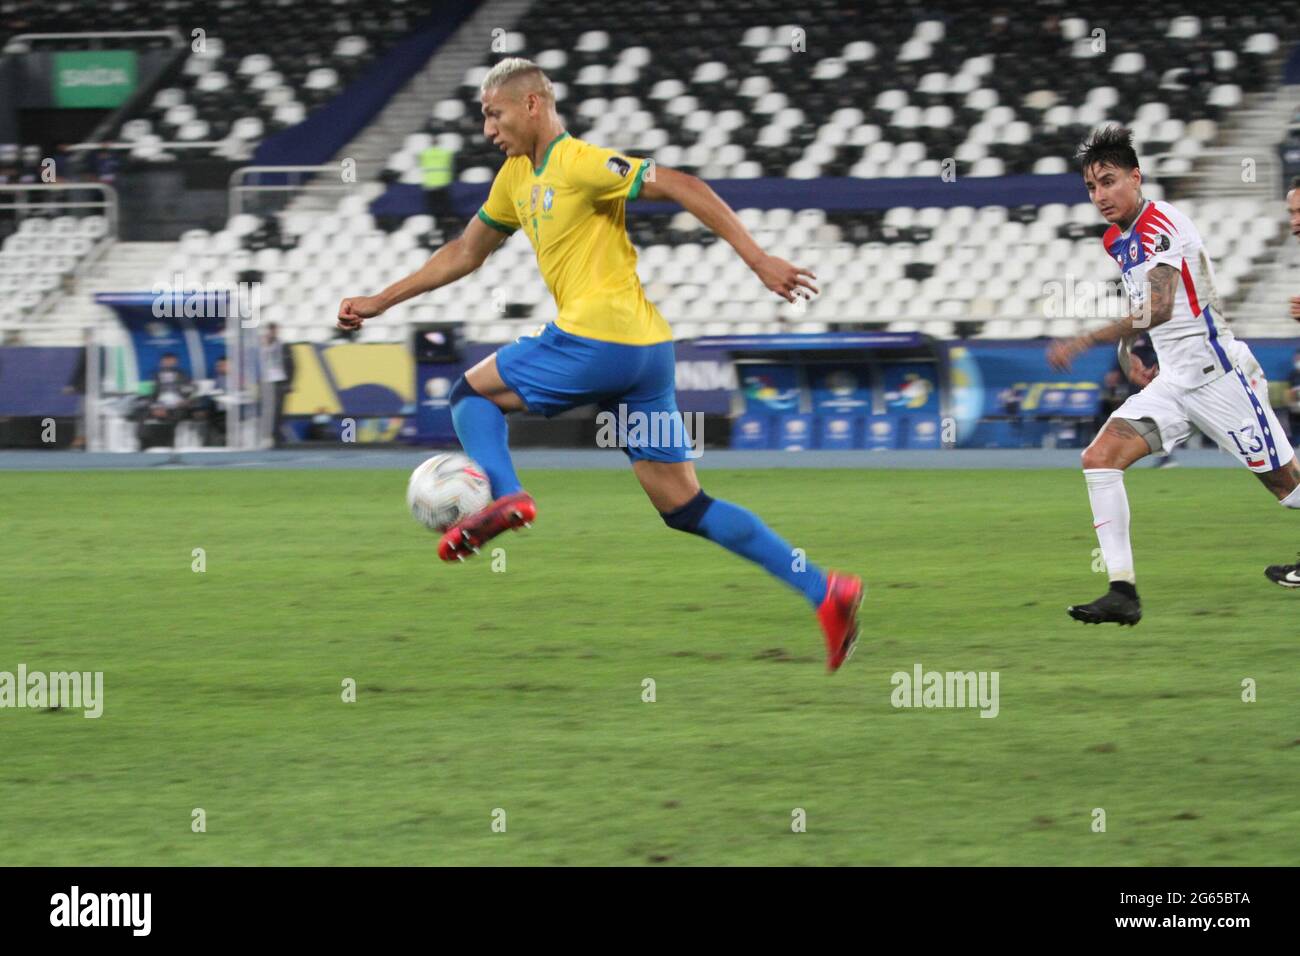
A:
{"points": [[93, 79]]}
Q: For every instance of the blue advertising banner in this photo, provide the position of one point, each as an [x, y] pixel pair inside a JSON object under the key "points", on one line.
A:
{"points": [[839, 431], [882, 432], [840, 389], [795, 432], [923, 431], [706, 379], [433, 405], [911, 387], [1073, 399], [33, 381], [988, 373], [752, 432], [770, 388]]}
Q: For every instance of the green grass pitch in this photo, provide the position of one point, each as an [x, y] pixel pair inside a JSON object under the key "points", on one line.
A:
{"points": [[521, 689]]}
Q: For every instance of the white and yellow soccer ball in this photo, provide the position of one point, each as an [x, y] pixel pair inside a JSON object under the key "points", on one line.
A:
{"points": [[446, 488]]}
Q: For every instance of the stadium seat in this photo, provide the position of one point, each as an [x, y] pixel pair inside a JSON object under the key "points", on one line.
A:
{"points": [[920, 90]]}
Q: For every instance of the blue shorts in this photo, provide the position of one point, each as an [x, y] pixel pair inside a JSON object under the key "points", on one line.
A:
{"points": [[634, 386]]}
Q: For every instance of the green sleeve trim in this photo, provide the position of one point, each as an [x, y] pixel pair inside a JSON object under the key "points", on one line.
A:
{"points": [[498, 226], [636, 183]]}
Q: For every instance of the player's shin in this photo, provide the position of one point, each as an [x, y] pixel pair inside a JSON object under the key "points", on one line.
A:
{"points": [[741, 532], [1110, 519], [481, 427]]}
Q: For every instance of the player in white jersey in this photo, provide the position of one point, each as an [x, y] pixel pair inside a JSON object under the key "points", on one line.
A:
{"points": [[1293, 210], [1288, 575], [1206, 377]]}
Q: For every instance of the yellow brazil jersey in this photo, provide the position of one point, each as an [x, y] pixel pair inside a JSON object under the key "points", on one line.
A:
{"points": [[571, 207]]}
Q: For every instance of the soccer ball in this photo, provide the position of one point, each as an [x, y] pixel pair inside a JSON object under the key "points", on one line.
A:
{"points": [[445, 489]]}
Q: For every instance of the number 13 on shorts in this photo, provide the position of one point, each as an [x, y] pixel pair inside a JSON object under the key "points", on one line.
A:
{"points": [[1249, 444]]}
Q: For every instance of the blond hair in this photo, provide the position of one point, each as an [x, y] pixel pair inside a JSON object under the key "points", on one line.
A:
{"points": [[517, 68]]}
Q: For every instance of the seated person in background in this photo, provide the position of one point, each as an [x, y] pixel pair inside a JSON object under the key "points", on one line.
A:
{"points": [[210, 405], [172, 387], [168, 405]]}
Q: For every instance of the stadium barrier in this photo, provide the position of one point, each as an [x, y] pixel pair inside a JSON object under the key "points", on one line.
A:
{"points": [[385, 393]]}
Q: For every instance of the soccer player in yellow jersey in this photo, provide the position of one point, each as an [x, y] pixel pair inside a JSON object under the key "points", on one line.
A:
{"points": [[609, 345]]}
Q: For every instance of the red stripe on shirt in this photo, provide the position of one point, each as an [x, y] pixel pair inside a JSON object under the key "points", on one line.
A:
{"points": [[1191, 290]]}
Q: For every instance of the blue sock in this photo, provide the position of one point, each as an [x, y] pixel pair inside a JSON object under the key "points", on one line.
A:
{"points": [[481, 428], [741, 532]]}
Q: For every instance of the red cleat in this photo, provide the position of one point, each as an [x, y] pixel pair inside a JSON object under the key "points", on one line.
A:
{"points": [[509, 511], [838, 616]]}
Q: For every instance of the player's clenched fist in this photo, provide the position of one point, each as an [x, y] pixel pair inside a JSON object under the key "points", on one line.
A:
{"points": [[354, 311], [784, 278], [1061, 353], [1295, 307]]}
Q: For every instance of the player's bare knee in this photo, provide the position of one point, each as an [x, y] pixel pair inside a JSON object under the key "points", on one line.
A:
{"points": [[1097, 457]]}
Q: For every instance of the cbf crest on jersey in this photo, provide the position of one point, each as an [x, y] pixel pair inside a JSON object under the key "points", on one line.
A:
{"points": [[548, 199]]}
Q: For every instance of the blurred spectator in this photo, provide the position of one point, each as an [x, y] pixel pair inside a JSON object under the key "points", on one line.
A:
{"points": [[172, 386], [277, 373], [210, 405], [77, 386], [8, 163], [1011, 398], [169, 404], [1200, 65], [1290, 152], [105, 165], [29, 165], [437, 172]]}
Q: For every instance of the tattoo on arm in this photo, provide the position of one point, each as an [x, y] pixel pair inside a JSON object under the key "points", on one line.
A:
{"points": [[1162, 289], [1158, 308]]}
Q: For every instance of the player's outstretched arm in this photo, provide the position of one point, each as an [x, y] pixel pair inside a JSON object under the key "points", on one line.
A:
{"points": [[1157, 310], [696, 197], [453, 261]]}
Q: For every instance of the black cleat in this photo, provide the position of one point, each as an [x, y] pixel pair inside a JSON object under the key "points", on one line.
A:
{"points": [[1116, 606], [1284, 575]]}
